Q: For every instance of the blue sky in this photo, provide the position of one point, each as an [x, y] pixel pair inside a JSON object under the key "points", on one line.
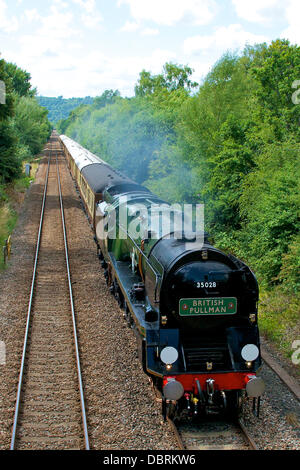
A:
{"points": [[83, 47]]}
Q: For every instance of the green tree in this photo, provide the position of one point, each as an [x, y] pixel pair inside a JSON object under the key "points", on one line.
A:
{"points": [[20, 80], [60, 108], [7, 109], [32, 124], [173, 78], [10, 165], [275, 68], [270, 208], [108, 97], [24, 126]]}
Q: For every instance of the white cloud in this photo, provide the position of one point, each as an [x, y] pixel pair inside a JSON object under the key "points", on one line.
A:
{"points": [[91, 18], [91, 21], [264, 11], [8, 25], [112, 73], [292, 14], [61, 4], [170, 12], [87, 5], [150, 32], [256, 11], [72, 71], [231, 37], [57, 25], [48, 40], [119, 72], [32, 15], [130, 27]]}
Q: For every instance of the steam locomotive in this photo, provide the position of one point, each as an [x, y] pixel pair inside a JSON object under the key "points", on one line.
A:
{"points": [[192, 307]]}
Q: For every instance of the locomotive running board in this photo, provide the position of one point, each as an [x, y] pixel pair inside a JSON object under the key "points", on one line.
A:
{"points": [[126, 280]]}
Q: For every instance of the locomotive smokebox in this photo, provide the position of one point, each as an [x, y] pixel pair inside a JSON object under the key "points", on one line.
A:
{"points": [[201, 289]]}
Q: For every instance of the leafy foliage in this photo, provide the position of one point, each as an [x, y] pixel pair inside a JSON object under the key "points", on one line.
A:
{"points": [[174, 77], [20, 80], [24, 126], [31, 124], [60, 108]]}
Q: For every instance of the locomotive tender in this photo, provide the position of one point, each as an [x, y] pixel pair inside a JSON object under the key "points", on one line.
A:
{"points": [[193, 310]]}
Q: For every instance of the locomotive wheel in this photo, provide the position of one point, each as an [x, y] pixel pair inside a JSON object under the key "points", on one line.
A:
{"points": [[104, 264], [127, 315], [107, 275], [118, 294], [171, 410], [168, 409], [100, 255], [234, 404]]}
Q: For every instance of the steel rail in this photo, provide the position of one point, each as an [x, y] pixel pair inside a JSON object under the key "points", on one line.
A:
{"points": [[239, 424], [175, 429], [21, 375], [247, 435], [83, 408], [176, 434], [285, 378]]}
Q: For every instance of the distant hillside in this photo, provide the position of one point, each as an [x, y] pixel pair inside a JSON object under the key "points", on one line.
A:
{"points": [[60, 108]]}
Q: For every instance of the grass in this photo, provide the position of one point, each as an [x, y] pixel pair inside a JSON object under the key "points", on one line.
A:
{"points": [[279, 321], [8, 220], [11, 198]]}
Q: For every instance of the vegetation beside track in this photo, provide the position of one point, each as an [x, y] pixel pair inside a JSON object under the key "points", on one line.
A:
{"points": [[11, 199], [24, 126], [279, 322], [8, 218]]}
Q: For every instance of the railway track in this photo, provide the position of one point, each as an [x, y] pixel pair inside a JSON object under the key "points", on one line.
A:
{"points": [[212, 434], [284, 376], [215, 434], [50, 408]]}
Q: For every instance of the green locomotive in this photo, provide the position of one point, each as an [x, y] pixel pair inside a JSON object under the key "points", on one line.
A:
{"points": [[192, 307]]}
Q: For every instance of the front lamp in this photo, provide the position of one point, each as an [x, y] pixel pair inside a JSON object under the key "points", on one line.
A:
{"points": [[250, 352], [169, 356]]}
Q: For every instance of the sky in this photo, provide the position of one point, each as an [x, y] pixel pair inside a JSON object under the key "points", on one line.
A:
{"points": [[84, 47]]}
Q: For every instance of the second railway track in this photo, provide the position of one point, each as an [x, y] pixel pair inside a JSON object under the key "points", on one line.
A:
{"points": [[50, 409]]}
